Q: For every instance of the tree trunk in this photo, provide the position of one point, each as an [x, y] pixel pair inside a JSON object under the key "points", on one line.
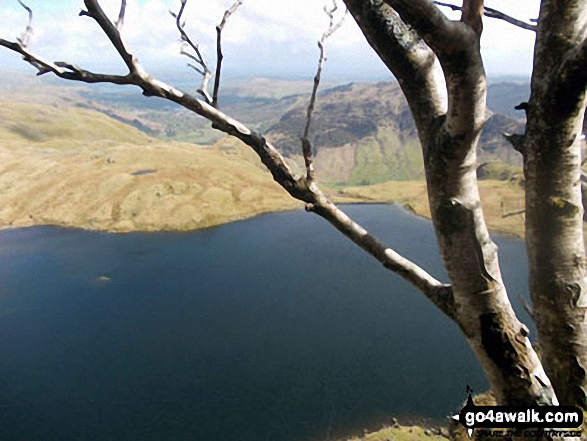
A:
{"points": [[444, 81], [483, 308], [554, 213]]}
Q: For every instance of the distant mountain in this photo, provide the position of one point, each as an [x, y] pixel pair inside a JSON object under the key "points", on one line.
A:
{"points": [[504, 97], [364, 133]]}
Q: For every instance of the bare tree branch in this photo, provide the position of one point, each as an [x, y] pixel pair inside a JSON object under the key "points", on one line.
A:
{"points": [[494, 13], [430, 23], [198, 58], [472, 14], [306, 145], [219, 55], [120, 22], [95, 11], [456, 44], [505, 214], [64, 70], [316, 201], [25, 38]]}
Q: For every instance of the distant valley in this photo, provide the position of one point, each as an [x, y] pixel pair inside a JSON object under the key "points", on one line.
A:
{"points": [[363, 133], [108, 158]]}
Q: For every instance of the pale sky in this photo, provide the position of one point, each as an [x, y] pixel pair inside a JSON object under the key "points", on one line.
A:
{"points": [[263, 38]]}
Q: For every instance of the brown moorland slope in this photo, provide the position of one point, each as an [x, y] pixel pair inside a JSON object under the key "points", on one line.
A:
{"points": [[79, 168]]}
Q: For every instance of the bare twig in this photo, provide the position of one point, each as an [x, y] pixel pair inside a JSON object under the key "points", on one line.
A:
{"points": [[316, 201], [120, 22], [306, 145], [63, 70], [514, 213], [25, 38], [202, 68], [219, 55], [494, 13], [95, 11], [505, 213]]}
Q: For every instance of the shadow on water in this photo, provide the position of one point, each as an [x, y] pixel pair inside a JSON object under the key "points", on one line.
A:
{"points": [[272, 328]]}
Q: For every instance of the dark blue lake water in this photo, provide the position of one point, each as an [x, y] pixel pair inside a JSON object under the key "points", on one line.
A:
{"points": [[275, 328]]}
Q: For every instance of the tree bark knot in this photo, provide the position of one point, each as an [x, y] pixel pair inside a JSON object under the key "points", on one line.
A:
{"points": [[563, 207]]}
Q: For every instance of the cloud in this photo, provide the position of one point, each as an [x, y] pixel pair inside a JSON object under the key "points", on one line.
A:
{"points": [[264, 36]]}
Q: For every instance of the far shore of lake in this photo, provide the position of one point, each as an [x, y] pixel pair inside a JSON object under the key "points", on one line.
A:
{"points": [[499, 197]]}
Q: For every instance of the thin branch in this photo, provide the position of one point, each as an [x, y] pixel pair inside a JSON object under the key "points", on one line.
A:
{"points": [[203, 90], [494, 13], [120, 22], [306, 145], [196, 68], [182, 51], [505, 213], [95, 11], [25, 38], [184, 36], [64, 70], [219, 55], [513, 213], [198, 58]]}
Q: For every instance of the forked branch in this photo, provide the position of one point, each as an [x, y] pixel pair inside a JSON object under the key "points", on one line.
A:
{"points": [[306, 144], [201, 66], [429, 22], [67, 71], [316, 201], [25, 38], [219, 55], [494, 13]]}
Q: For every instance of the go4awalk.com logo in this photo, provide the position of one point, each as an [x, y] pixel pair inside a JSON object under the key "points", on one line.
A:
{"points": [[517, 421]]}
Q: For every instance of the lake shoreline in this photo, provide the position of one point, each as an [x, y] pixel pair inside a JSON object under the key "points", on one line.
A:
{"points": [[340, 200]]}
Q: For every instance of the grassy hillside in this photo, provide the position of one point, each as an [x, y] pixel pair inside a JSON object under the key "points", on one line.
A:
{"points": [[414, 197], [374, 122], [68, 165], [79, 168]]}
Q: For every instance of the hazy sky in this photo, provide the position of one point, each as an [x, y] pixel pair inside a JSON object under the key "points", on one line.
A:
{"points": [[264, 38]]}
